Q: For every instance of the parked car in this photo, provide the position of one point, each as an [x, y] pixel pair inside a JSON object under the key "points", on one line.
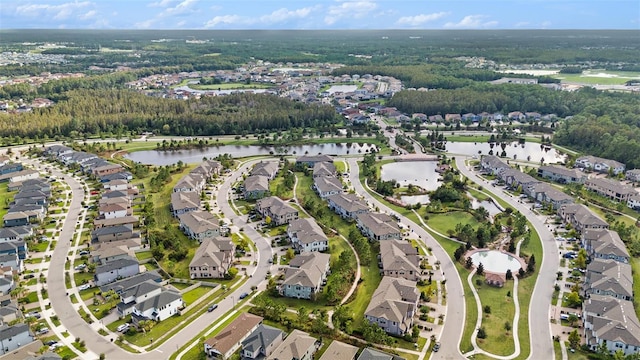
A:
{"points": [[81, 267], [436, 347], [51, 342], [83, 252], [243, 295], [29, 276], [83, 287], [42, 331], [34, 314], [123, 328], [212, 307]]}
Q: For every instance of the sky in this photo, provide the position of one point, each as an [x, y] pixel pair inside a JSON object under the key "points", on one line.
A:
{"points": [[319, 14]]}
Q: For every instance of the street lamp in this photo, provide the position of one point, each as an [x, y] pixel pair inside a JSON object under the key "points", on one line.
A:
{"points": [[233, 300]]}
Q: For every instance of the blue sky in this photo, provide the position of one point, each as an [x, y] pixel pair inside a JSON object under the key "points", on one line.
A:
{"points": [[320, 14]]}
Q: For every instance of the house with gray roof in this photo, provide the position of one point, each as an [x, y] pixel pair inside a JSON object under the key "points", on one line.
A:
{"points": [[399, 259], [327, 186], [632, 175], [199, 225], [605, 244], [338, 350], [15, 233], [305, 276], [159, 307], [493, 165], [279, 211], [46, 356], [348, 206], [611, 322], [600, 165], [262, 342], [184, 201], [121, 285], [298, 345], [393, 305], [14, 337], [137, 294], [377, 226], [256, 187], [515, 179], [268, 169], [306, 236], [374, 354], [610, 278], [212, 259], [208, 168], [613, 189], [190, 182], [547, 194], [561, 174], [324, 168], [115, 270], [311, 160], [10, 313], [581, 217], [113, 233]]}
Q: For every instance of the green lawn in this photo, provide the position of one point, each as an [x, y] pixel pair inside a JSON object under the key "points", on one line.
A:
{"points": [[498, 341], [192, 295], [230, 86], [144, 255], [38, 246], [277, 188], [591, 77], [6, 197], [445, 222]]}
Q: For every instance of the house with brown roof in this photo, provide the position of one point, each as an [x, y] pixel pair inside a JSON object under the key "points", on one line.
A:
{"points": [[224, 344], [184, 201], [561, 174], [326, 186], [393, 305], [265, 168], [307, 236], [495, 279], [199, 225], [212, 259], [399, 259], [347, 205], [324, 168], [279, 211], [305, 276], [339, 351], [377, 226], [298, 345], [256, 187], [605, 244], [581, 217], [613, 189]]}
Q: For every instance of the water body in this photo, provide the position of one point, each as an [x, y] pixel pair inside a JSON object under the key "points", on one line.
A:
{"points": [[154, 157], [489, 205], [531, 151], [414, 199], [496, 261], [420, 173], [342, 88], [222, 92]]}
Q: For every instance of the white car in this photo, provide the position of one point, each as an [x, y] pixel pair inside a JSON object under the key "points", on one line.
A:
{"points": [[122, 328], [84, 287]]}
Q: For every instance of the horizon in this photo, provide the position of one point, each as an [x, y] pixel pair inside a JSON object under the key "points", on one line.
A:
{"points": [[321, 15]]}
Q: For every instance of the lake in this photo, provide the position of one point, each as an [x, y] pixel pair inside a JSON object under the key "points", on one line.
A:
{"points": [[527, 151], [420, 173], [154, 157]]}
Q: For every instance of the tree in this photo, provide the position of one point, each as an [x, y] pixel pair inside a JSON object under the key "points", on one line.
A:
{"points": [[290, 253], [267, 220], [232, 272], [487, 309], [374, 333], [574, 339], [581, 259], [531, 264], [146, 325], [508, 275], [572, 319], [507, 326], [303, 316], [480, 269], [468, 263], [482, 334], [573, 299]]}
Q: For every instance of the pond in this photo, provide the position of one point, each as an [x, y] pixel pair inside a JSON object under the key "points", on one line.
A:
{"points": [[528, 151], [420, 173], [342, 88], [154, 157], [496, 262], [414, 199], [489, 205]]}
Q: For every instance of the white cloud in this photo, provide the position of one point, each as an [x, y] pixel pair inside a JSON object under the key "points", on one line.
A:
{"points": [[57, 12], [162, 3], [472, 22], [421, 19], [88, 15], [184, 7], [144, 24], [224, 20], [349, 9], [285, 14]]}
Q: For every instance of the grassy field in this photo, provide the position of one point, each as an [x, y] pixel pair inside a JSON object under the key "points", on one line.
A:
{"points": [[192, 295], [601, 77], [6, 196], [445, 222], [499, 341]]}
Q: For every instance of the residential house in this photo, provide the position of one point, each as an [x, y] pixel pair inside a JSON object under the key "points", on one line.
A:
{"points": [[324, 168], [107, 169], [119, 184], [399, 259], [113, 233], [223, 345], [261, 342], [436, 118], [306, 236], [611, 322], [6, 277], [256, 187], [633, 202], [327, 186], [604, 244], [311, 160], [14, 247], [632, 175], [339, 351], [610, 278], [17, 219], [136, 294], [581, 217], [515, 179], [9, 313], [212, 260], [561, 174], [600, 165], [377, 226], [125, 220], [452, 118], [184, 201], [114, 211], [190, 183], [158, 308], [547, 194], [121, 285], [493, 164], [305, 276], [115, 270], [109, 253], [9, 168], [373, 354], [279, 211], [299, 345], [348, 206], [208, 168], [15, 233], [612, 189], [20, 176], [495, 279], [265, 168], [49, 355], [13, 337], [516, 115], [199, 225], [393, 305], [11, 261]]}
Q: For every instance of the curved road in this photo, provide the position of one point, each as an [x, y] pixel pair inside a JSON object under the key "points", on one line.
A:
{"points": [[455, 316], [539, 324], [96, 343]]}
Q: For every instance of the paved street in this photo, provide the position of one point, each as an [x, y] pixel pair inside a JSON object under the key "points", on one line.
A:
{"points": [[539, 325]]}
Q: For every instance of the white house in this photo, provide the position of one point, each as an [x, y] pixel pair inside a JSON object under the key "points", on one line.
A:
{"points": [[159, 307]]}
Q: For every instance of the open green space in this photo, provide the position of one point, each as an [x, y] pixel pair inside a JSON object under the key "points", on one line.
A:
{"points": [[599, 76], [499, 341], [192, 295], [6, 197]]}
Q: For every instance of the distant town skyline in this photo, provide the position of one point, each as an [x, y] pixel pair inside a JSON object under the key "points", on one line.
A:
{"points": [[320, 14]]}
